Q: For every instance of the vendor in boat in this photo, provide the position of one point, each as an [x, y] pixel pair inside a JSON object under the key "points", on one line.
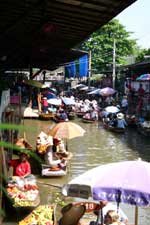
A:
{"points": [[113, 120], [61, 115], [59, 148], [53, 159], [121, 123], [44, 105], [104, 208], [112, 218], [21, 166], [93, 114]]}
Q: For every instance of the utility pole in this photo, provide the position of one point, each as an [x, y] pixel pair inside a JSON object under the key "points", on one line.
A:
{"points": [[89, 69], [114, 63]]}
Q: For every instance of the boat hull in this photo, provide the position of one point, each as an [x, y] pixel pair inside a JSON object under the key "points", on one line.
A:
{"points": [[49, 172]]}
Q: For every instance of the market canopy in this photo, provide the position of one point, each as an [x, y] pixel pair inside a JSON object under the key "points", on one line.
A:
{"points": [[43, 33], [68, 101]]}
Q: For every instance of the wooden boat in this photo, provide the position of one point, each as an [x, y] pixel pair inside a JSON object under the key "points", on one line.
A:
{"points": [[131, 120], [48, 171], [144, 130], [113, 129], [85, 120], [58, 120], [80, 114], [46, 116], [71, 115], [43, 214]]}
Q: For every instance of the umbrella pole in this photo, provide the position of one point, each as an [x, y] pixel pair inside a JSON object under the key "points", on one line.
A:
{"points": [[66, 146], [136, 215]]}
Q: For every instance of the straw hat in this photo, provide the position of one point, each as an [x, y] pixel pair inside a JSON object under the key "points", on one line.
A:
{"points": [[72, 214], [120, 116]]}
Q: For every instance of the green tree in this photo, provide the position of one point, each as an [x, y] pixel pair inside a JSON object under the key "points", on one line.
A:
{"points": [[142, 53], [101, 45]]}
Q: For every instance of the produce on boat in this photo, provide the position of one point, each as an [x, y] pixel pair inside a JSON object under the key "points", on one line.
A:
{"points": [[42, 215], [23, 191]]}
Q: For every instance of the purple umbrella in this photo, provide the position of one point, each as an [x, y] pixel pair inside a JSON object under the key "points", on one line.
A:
{"points": [[143, 77], [126, 182], [107, 91]]}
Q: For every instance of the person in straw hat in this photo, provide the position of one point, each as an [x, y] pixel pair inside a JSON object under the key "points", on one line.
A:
{"points": [[121, 123]]}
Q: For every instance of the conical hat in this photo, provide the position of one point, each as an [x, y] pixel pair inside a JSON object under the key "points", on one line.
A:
{"points": [[72, 214]]}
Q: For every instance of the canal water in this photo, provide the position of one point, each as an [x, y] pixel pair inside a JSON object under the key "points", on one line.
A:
{"points": [[98, 146]]}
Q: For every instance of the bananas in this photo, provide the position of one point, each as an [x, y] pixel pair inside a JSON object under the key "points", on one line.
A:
{"points": [[42, 215]]}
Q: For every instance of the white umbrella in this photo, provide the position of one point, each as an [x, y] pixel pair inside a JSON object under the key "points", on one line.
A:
{"points": [[54, 101], [94, 92], [112, 109]]}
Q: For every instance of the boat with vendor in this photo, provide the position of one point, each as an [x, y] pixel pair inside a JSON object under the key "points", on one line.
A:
{"points": [[115, 122], [60, 116], [91, 116], [21, 186], [53, 154]]}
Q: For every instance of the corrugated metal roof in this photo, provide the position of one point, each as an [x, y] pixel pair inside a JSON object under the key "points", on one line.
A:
{"points": [[43, 32]]}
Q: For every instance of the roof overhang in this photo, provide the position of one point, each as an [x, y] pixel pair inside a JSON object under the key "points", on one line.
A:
{"points": [[42, 33]]}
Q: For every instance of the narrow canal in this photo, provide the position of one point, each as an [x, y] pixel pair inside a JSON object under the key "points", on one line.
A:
{"points": [[97, 147]]}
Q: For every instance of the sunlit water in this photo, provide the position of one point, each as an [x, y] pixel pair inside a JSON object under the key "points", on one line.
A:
{"points": [[97, 147]]}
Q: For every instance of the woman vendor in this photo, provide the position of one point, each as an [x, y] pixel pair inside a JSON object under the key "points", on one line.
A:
{"points": [[21, 166]]}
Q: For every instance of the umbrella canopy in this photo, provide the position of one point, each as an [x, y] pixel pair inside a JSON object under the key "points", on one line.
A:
{"points": [[143, 77], [112, 109], [78, 86], [107, 91], [48, 94], [68, 101], [54, 101], [126, 182], [34, 83], [66, 130], [94, 92]]}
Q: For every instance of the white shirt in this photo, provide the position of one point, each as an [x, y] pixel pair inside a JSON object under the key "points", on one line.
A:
{"points": [[49, 158]]}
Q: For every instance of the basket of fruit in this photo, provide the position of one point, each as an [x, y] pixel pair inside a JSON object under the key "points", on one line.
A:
{"points": [[42, 215]]}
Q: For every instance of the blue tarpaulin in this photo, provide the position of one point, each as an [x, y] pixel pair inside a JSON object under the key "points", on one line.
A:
{"points": [[70, 70], [83, 66]]}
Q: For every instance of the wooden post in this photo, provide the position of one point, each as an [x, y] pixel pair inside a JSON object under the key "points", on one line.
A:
{"points": [[136, 215], [89, 78], [114, 64]]}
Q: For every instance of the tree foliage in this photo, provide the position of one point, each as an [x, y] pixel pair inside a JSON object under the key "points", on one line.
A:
{"points": [[142, 54], [101, 45]]}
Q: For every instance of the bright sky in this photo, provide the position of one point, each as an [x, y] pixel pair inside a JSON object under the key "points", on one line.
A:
{"points": [[136, 18]]}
